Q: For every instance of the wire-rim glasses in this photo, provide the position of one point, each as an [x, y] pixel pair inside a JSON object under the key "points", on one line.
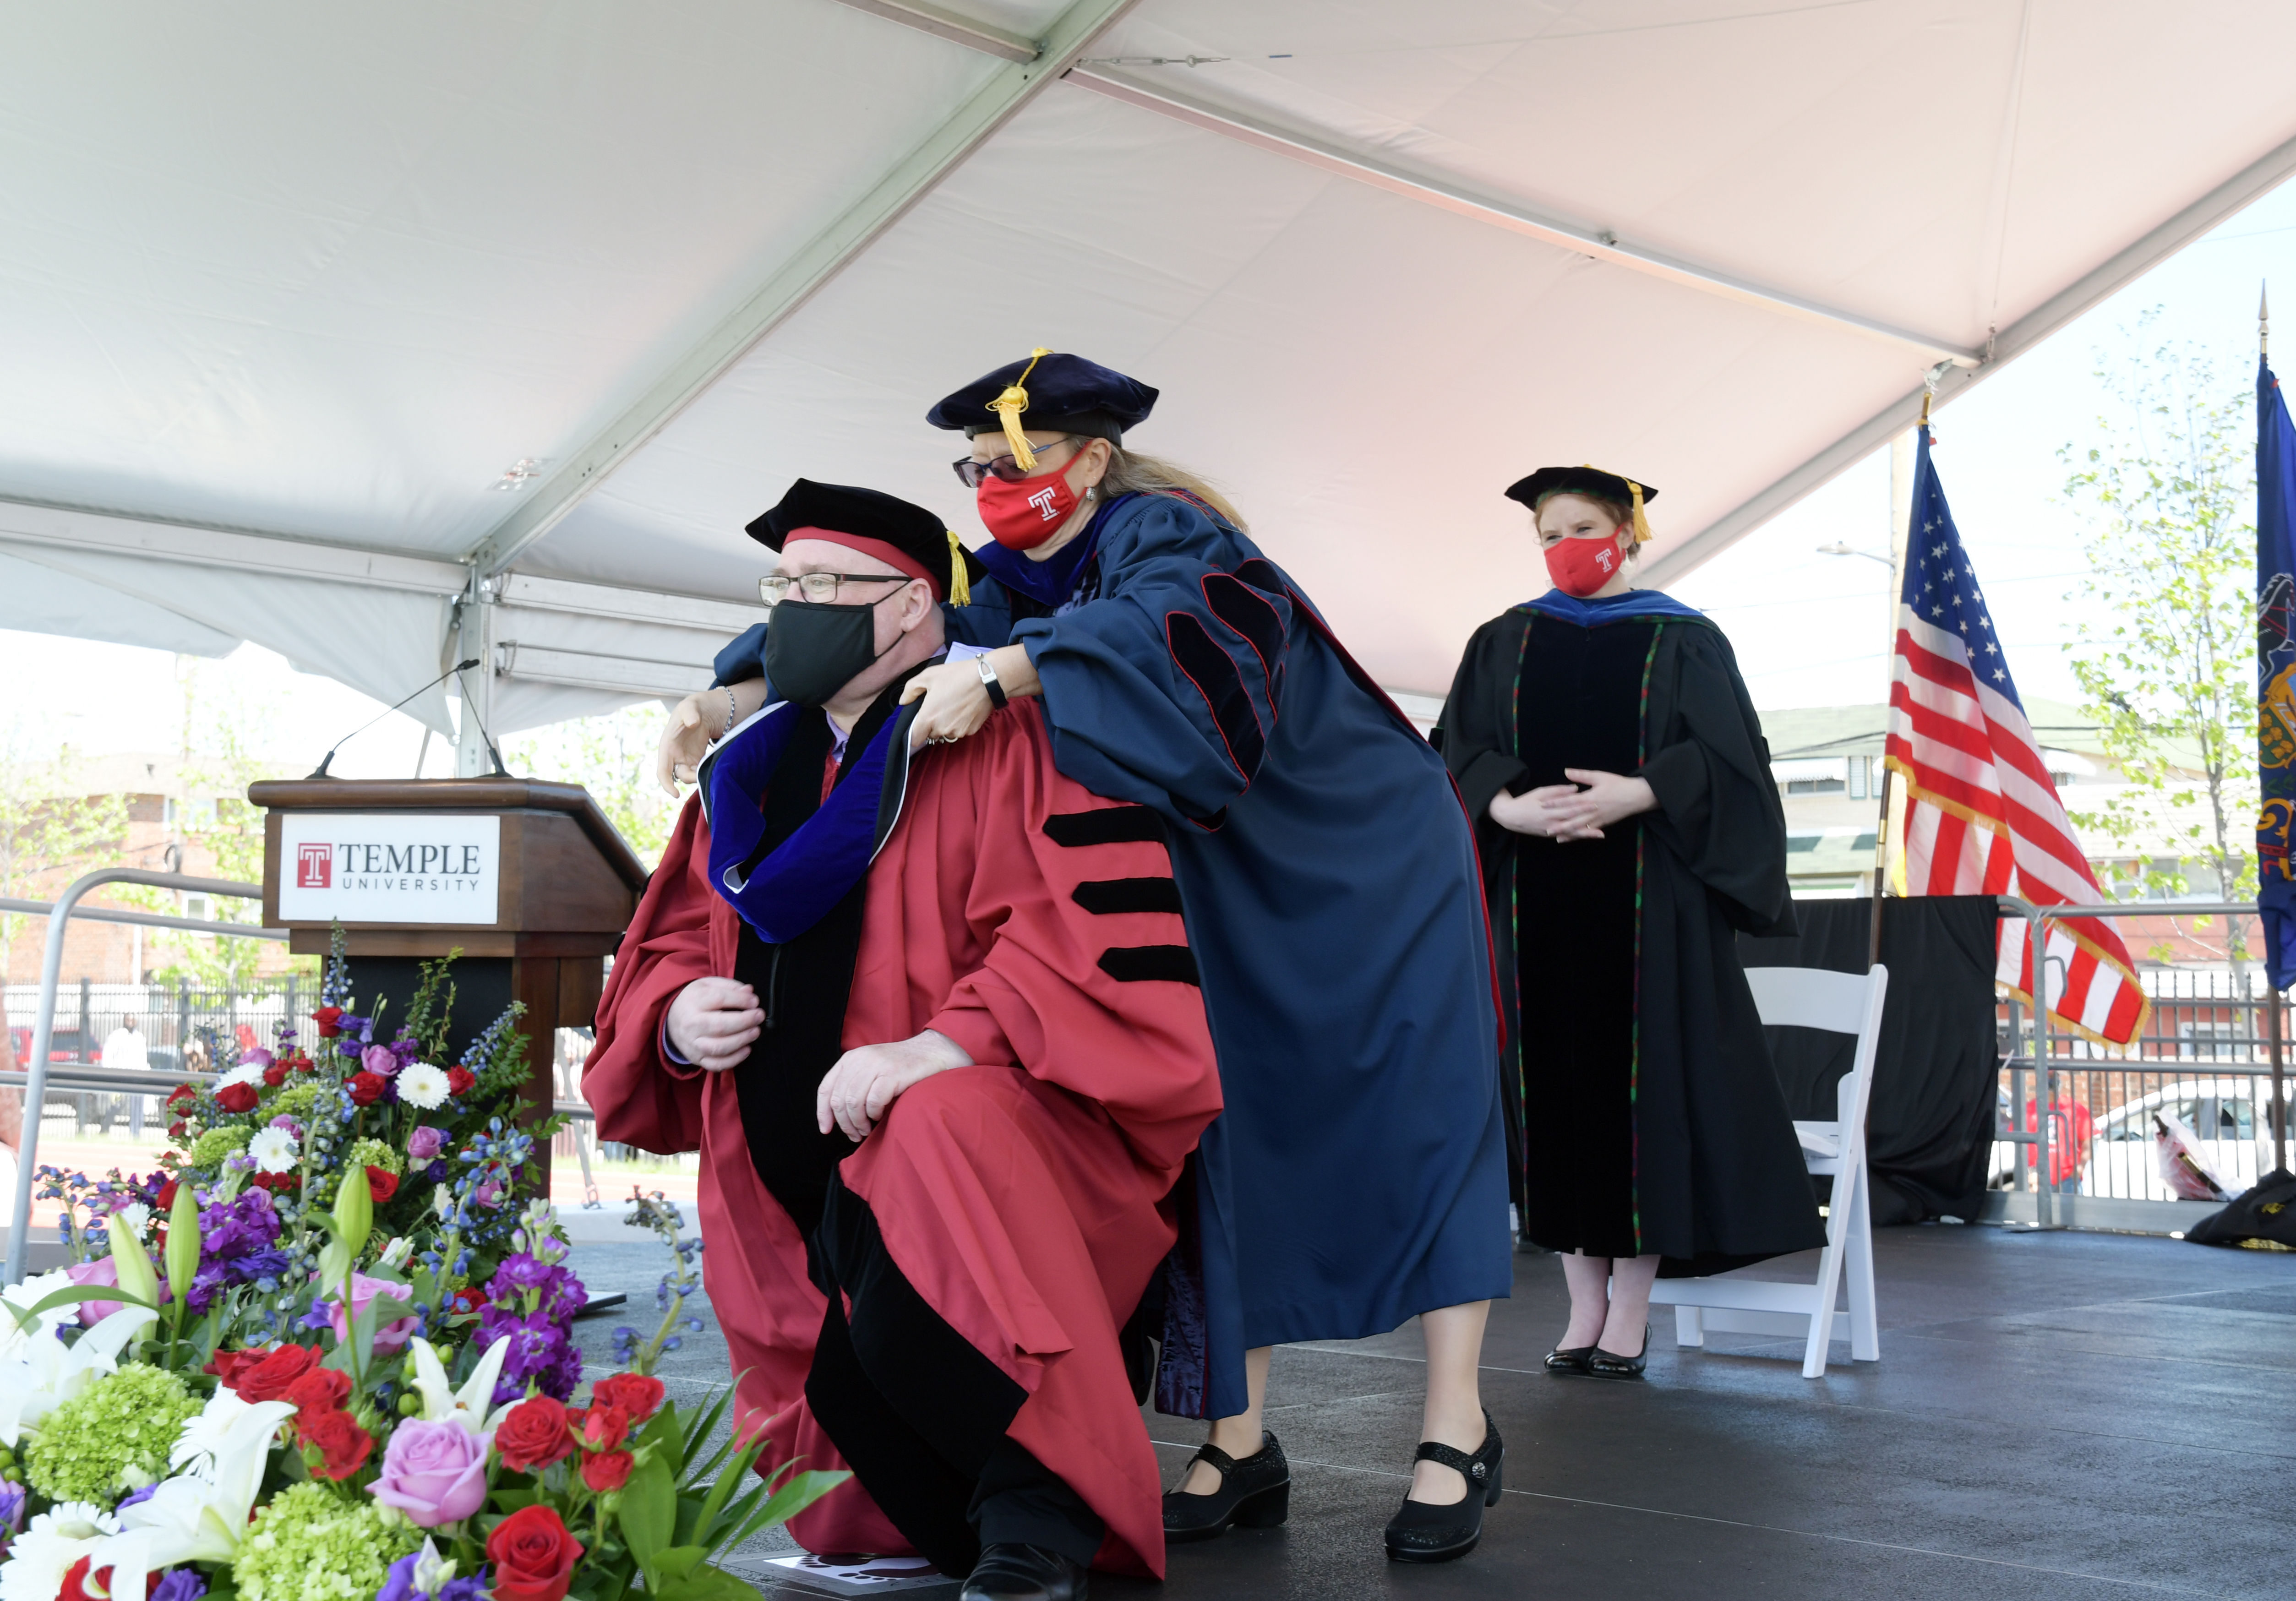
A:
{"points": [[969, 473], [820, 589]]}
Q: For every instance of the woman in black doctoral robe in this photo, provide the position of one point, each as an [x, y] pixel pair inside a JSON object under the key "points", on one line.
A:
{"points": [[1630, 828]]}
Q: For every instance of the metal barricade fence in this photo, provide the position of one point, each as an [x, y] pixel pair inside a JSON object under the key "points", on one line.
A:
{"points": [[2204, 1059]]}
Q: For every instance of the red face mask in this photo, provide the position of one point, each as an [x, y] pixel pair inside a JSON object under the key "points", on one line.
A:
{"points": [[1580, 567], [1023, 515]]}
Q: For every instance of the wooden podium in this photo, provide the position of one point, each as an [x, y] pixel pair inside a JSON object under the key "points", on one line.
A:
{"points": [[529, 880]]}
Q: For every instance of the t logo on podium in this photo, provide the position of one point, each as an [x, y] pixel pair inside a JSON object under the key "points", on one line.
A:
{"points": [[315, 866]]}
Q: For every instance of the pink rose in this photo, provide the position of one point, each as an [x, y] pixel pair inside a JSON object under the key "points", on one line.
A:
{"points": [[379, 1060], [257, 1058], [435, 1473], [389, 1338], [425, 1143], [103, 1271]]}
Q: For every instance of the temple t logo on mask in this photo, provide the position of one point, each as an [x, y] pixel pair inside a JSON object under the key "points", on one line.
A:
{"points": [[1579, 567], [1043, 500]]}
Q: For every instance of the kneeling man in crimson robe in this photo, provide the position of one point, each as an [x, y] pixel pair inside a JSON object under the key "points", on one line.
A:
{"points": [[931, 1020]]}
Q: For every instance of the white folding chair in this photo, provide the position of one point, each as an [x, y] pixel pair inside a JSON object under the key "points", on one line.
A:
{"points": [[1840, 1003]]}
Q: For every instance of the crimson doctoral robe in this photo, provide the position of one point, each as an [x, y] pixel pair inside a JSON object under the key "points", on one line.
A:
{"points": [[994, 1232]]}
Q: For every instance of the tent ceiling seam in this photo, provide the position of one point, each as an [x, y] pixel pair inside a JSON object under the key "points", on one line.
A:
{"points": [[795, 280], [2259, 177], [28, 525], [948, 25], [1448, 196]]}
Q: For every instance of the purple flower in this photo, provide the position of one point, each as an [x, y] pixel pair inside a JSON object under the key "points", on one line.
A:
{"points": [[425, 1143], [559, 1294], [179, 1584], [257, 1058], [539, 1352], [435, 1473], [283, 1121], [380, 1059], [440, 1171], [12, 1507], [473, 1588], [145, 1494]]}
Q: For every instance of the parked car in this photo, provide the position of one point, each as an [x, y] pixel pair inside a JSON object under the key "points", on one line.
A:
{"points": [[2230, 1118]]}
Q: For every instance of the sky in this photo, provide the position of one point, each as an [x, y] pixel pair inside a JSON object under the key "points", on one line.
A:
{"points": [[1809, 629]]}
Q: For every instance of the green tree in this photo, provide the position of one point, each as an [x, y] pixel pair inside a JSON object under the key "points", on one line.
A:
{"points": [[612, 758], [2168, 672], [49, 834]]}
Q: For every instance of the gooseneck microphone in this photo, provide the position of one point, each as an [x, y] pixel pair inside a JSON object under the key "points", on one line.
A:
{"points": [[321, 770]]}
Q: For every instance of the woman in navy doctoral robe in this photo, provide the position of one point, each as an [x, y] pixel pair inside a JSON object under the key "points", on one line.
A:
{"points": [[1327, 874]]}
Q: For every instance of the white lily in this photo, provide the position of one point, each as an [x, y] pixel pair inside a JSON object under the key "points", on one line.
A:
{"points": [[43, 1553], [197, 1516], [23, 1297], [46, 1372], [472, 1406]]}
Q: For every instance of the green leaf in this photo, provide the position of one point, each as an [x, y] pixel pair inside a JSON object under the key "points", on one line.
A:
{"points": [[29, 1318], [708, 1584], [676, 1561], [800, 1491], [511, 1499], [649, 1513], [736, 1474]]}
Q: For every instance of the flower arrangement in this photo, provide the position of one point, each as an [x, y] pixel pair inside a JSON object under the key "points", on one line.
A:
{"points": [[326, 1351]]}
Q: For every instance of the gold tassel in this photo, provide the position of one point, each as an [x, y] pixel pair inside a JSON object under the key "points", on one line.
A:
{"points": [[959, 586], [1011, 403], [1642, 523]]}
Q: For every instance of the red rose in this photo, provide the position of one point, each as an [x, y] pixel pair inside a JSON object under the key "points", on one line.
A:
{"points": [[81, 1585], [459, 1081], [275, 1182], [468, 1299], [601, 1428], [534, 1555], [634, 1393], [229, 1366], [532, 1435], [236, 1098], [182, 1098], [166, 1198], [176, 1130], [329, 1020], [343, 1446], [275, 1074], [321, 1389], [301, 1062], [381, 1183], [367, 1088], [269, 1379], [608, 1470]]}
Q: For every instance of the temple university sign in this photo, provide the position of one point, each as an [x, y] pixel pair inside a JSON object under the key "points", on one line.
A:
{"points": [[389, 867]]}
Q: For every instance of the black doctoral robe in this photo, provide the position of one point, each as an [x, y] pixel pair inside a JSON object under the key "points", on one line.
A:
{"points": [[1718, 1178]]}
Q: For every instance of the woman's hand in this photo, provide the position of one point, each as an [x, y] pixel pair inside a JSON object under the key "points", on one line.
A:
{"points": [[956, 701], [1538, 812], [1607, 797], [865, 1082]]}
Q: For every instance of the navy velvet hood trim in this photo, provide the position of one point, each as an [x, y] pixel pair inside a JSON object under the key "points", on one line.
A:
{"points": [[1633, 603]]}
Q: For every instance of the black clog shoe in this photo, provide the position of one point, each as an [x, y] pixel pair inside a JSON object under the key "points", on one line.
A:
{"points": [[1025, 1573], [1253, 1493], [1422, 1531]]}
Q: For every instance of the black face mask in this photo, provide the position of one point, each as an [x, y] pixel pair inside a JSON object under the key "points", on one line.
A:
{"points": [[813, 652]]}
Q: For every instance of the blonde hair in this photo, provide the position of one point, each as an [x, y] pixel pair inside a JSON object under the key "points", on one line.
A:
{"points": [[1131, 473]]}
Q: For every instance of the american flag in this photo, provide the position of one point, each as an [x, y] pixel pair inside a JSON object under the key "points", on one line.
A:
{"points": [[1983, 816]]}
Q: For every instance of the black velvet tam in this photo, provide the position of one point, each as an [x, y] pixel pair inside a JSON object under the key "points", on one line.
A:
{"points": [[865, 514], [1065, 392], [1592, 482]]}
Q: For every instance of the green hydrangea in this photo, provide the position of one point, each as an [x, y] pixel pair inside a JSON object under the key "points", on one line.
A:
{"points": [[374, 1153], [124, 1420], [295, 1101], [313, 1543], [210, 1148]]}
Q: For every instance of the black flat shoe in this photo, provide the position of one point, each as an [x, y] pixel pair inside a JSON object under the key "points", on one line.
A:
{"points": [[1604, 1365], [1425, 1532], [1254, 1493], [1567, 1359], [1025, 1573]]}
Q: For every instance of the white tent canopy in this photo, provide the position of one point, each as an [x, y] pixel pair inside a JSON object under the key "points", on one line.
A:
{"points": [[382, 336]]}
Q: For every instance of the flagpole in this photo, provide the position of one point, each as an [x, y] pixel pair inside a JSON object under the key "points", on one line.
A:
{"points": [[1901, 505], [2272, 1033]]}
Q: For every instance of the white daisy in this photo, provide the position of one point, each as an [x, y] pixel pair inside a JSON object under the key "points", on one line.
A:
{"points": [[138, 1216], [422, 1085], [43, 1553], [275, 1151], [251, 1073]]}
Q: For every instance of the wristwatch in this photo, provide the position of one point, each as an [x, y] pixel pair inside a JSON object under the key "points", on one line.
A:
{"points": [[989, 682]]}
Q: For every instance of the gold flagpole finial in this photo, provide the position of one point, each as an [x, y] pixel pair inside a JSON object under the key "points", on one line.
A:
{"points": [[2264, 320]]}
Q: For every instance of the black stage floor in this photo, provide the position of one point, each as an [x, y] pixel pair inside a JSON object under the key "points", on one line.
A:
{"points": [[2053, 1416]]}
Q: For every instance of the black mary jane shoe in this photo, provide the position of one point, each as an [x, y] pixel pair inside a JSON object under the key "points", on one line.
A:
{"points": [[1425, 1532], [1568, 1360], [1025, 1573], [1253, 1493], [1608, 1365]]}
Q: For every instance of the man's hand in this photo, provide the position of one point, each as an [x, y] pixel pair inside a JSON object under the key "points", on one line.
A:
{"points": [[713, 1021], [1540, 813], [856, 1092]]}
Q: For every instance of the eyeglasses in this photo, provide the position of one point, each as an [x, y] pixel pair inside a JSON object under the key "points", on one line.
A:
{"points": [[820, 589], [969, 473]]}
